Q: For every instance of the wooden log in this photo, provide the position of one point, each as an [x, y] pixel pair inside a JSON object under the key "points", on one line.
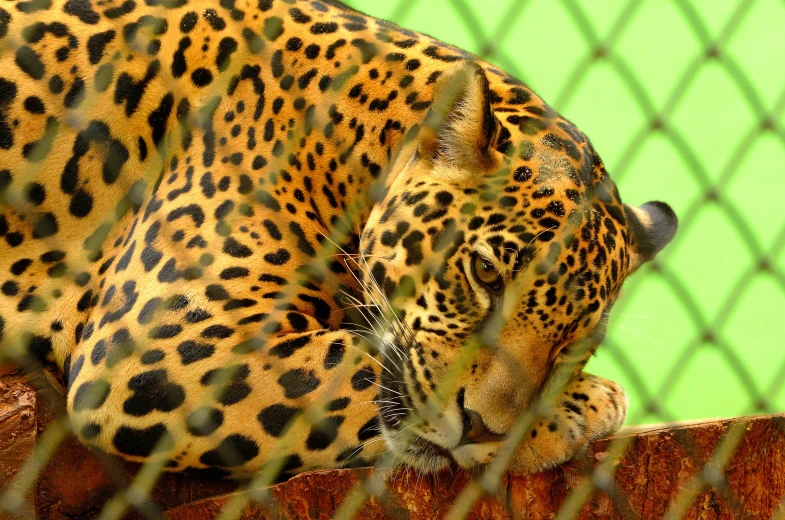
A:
{"points": [[656, 468], [18, 428]]}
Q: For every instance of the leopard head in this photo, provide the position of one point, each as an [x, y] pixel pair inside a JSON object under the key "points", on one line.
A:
{"points": [[499, 234]]}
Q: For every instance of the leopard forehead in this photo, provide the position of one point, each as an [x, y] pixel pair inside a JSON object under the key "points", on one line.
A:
{"points": [[545, 199]]}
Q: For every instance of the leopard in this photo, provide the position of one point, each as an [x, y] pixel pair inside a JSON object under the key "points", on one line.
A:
{"points": [[250, 233]]}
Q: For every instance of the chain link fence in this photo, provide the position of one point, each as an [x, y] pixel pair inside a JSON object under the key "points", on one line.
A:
{"points": [[685, 102]]}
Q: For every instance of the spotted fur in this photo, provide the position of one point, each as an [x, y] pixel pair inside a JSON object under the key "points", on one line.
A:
{"points": [[203, 203]]}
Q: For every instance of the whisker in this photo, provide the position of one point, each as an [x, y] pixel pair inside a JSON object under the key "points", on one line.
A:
{"points": [[388, 389], [658, 342], [372, 358]]}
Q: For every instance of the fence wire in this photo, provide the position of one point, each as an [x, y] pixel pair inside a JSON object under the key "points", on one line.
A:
{"points": [[603, 47]]}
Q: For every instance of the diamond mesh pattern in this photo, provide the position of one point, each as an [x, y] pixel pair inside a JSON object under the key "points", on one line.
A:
{"points": [[686, 102]]}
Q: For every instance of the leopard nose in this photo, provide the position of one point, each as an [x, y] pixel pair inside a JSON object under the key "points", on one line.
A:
{"points": [[475, 430], [473, 426]]}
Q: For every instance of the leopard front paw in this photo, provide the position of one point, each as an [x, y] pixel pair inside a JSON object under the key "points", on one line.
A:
{"points": [[605, 404], [590, 408]]}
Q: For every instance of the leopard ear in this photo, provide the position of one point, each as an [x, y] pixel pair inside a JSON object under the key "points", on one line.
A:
{"points": [[651, 227], [460, 125]]}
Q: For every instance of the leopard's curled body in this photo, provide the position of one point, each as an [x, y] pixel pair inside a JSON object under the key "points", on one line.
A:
{"points": [[202, 201]]}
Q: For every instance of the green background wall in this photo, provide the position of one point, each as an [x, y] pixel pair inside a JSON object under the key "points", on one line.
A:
{"points": [[684, 101]]}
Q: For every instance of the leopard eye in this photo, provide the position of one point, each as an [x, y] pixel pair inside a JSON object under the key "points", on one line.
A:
{"points": [[486, 273]]}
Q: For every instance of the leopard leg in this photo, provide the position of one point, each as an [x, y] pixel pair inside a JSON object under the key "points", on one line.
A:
{"points": [[590, 408]]}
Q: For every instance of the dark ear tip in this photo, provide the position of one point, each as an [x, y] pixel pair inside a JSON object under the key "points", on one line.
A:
{"points": [[663, 218], [653, 225], [661, 206]]}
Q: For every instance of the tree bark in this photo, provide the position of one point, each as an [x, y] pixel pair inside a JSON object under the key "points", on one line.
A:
{"points": [[656, 467], [18, 427]]}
